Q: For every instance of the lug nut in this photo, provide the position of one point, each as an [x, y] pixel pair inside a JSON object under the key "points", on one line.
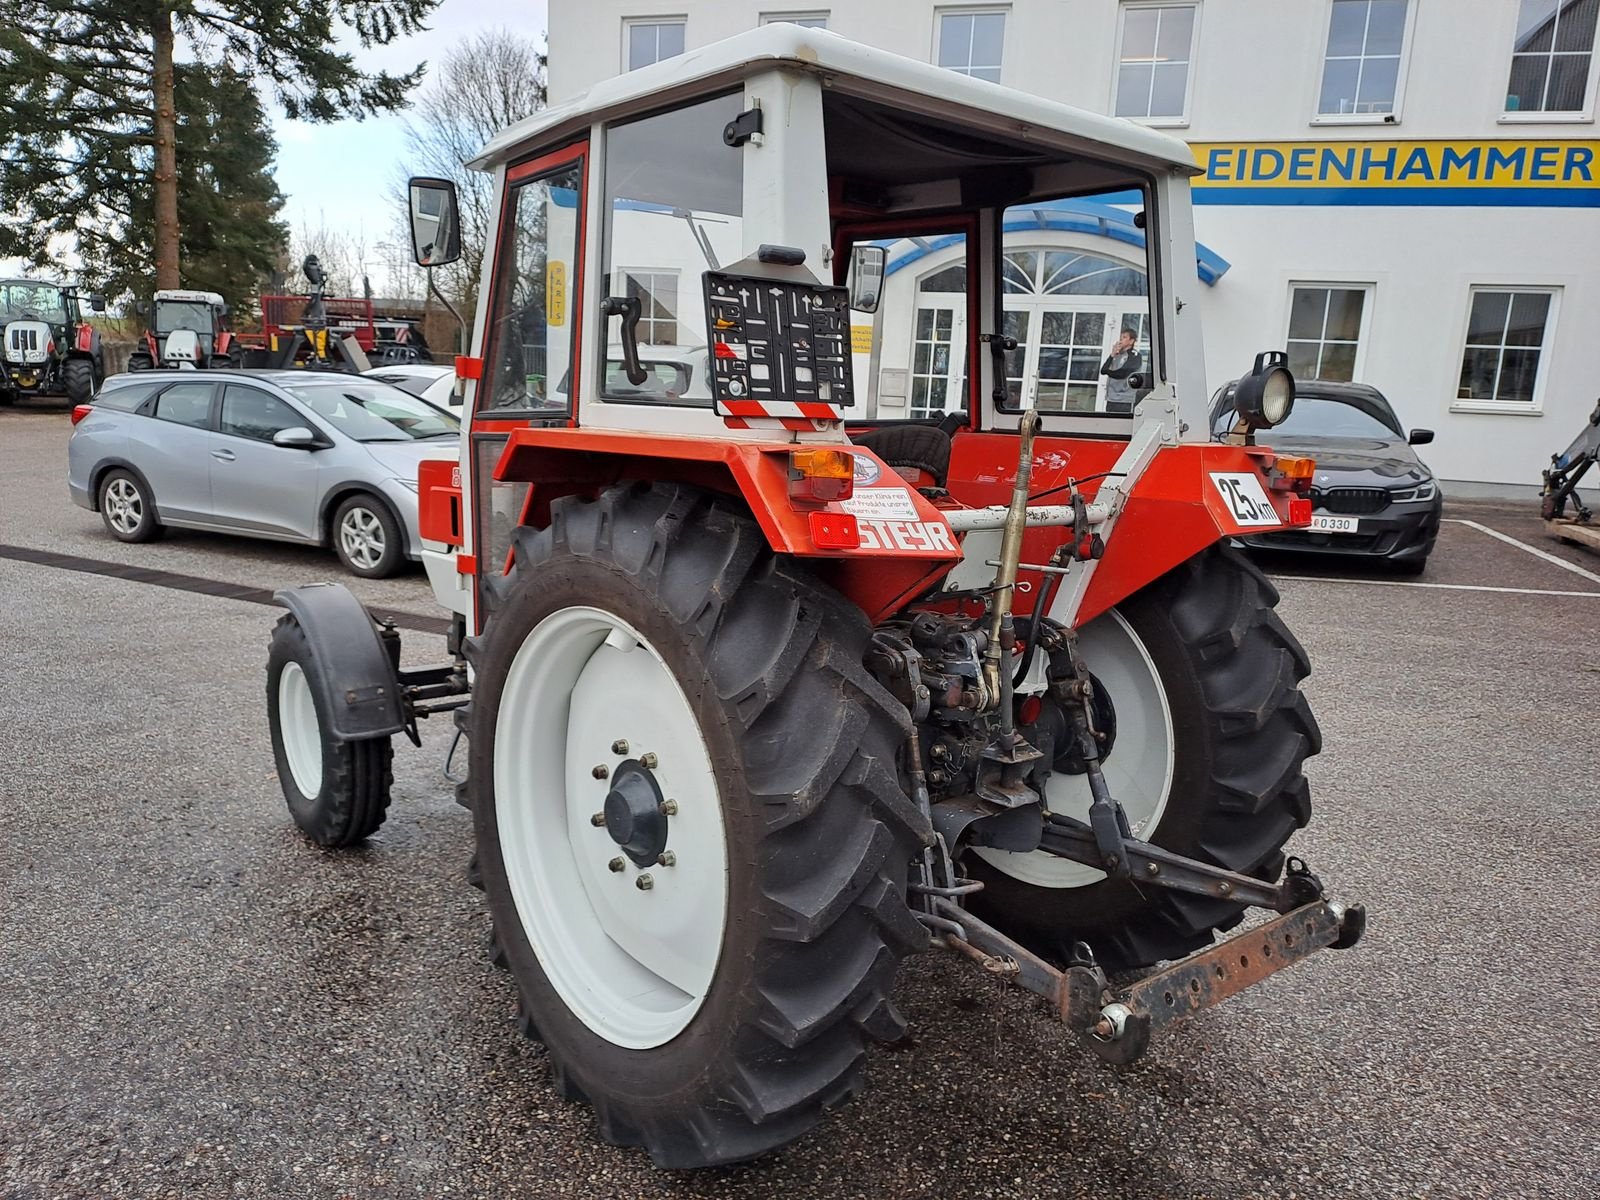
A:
{"points": [[620, 746], [647, 761], [667, 859], [1152, 869], [601, 771], [669, 808], [616, 864], [644, 883], [598, 820]]}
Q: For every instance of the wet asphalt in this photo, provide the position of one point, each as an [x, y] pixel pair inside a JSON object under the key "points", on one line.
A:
{"points": [[197, 1002]]}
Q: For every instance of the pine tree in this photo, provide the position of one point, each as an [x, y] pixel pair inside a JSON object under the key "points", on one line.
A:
{"points": [[90, 109]]}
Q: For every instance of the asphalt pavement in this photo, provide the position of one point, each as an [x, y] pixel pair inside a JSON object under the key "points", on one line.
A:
{"points": [[197, 1002]]}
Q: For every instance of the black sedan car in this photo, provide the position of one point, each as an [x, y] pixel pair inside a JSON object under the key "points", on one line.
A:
{"points": [[1372, 495]]}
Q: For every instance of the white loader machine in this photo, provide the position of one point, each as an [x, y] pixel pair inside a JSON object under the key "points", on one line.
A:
{"points": [[842, 660]]}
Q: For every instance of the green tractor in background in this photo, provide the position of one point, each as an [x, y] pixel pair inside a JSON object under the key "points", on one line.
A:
{"points": [[46, 346]]}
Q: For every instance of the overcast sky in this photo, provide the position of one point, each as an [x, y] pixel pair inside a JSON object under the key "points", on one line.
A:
{"points": [[338, 175]]}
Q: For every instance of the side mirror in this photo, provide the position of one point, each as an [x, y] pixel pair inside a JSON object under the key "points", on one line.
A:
{"points": [[435, 221], [97, 303], [866, 277], [141, 308], [297, 437], [225, 309], [1420, 437]]}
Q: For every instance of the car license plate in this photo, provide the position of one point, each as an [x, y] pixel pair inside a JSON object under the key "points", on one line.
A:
{"points": [[1328, 523]]}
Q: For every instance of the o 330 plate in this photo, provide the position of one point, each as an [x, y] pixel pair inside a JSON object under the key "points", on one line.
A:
{"points": [[1328, 523]]}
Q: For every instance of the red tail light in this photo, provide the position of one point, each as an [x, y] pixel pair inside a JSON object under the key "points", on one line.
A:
{"points": [[1299, 511], [80, 411]]}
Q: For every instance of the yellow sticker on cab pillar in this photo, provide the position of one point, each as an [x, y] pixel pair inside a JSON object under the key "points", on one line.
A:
{"points": [[861, 339], [555, 293]]}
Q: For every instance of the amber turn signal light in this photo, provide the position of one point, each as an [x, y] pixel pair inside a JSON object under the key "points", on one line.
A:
{"points": [[818, 475]]}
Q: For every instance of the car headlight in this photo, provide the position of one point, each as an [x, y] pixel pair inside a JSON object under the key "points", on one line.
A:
{"points": [[408, 483], [1265, 397], [1426, 490]]}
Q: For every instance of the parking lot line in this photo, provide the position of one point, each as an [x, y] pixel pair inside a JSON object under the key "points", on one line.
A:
{"points": [[1534, 550], [1446, 587]]}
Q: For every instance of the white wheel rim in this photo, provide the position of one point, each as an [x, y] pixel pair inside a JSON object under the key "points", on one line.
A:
{"points": [[633, 965], [1139, 769], [361, 535], [297, 726], [124, 506]]}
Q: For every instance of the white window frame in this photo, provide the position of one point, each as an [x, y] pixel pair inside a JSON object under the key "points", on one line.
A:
{"points": [[1584, 116], [628, 24], [619, 287], [1178, 122], [778, 18], [1404, 69], [1535, 408], [1363, 335], [972, 10]]}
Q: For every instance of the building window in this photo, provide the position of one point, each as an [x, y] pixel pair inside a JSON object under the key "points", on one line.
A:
{"points": [[1153, 64], [657, 293], [649, 42], [1508, 334], [1325, 326], [1551, 56], [972, 43], [1361, 72], [804, 20]]}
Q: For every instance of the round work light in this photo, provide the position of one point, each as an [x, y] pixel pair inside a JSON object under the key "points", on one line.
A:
{"points": [[1265, 397]]}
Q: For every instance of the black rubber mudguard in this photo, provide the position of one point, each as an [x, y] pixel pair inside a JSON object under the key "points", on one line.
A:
{"points": [[360, 689]]}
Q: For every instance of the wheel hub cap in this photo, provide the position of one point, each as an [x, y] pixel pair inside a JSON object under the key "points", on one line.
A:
{"points": [[633, 813]]}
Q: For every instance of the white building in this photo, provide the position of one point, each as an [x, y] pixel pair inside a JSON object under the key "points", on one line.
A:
{"points": [[1401, 192]]}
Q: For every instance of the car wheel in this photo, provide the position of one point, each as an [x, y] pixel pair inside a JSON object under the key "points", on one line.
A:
{"points": [[367, 538], [127, 508]]}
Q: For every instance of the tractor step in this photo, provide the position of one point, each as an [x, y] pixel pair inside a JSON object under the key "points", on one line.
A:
{"points": [[1117, 1025]]}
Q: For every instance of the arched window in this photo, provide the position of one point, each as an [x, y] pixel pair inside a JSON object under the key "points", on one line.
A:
{"points": [[1042, 272]]}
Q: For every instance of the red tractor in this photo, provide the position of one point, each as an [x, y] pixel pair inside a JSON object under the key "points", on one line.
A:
{"points": [[899, 630]]}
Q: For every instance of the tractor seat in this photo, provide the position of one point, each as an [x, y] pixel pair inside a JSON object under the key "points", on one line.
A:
{"points": [[913, 448]]}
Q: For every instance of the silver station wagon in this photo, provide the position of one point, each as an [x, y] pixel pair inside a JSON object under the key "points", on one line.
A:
{"points": [[320, 458]]}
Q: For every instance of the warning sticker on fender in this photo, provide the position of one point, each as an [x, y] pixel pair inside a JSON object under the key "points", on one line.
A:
{"points": [[881, 504], [1246, 499]]}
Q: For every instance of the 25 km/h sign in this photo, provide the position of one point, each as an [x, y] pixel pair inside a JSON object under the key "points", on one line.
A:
{"points": [[1246, 499]]}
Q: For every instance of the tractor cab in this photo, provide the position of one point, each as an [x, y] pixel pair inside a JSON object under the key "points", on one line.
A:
{"points": [[188, 331], [971, 254], [839, 570], [47, 346]]}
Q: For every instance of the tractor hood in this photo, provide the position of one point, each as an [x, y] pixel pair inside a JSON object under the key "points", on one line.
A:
{"points": [[28, 342]]}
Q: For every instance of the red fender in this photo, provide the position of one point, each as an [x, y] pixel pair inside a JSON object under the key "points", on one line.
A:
{"points": [[224, 340], [85, 339], [1176, 509], [876, 558]]}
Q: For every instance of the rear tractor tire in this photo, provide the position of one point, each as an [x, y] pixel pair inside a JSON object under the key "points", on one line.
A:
{"points": [[337, 791], [1212, 732], [691, 832]]}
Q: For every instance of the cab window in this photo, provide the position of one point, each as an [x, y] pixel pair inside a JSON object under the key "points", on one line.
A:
{"points": [[531, 325], [674, 204]]}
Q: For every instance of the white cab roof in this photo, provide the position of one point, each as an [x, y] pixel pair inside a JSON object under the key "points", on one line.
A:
{"points": [[826, 53], [190, 297]]}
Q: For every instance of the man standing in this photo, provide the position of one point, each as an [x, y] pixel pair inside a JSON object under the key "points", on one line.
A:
{"points": [[1124, 362]]}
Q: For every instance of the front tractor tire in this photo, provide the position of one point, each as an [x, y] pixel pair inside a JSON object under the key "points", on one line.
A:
{"points": [[77, 376], [1211, 735], [690, 827], [337, 791]]}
